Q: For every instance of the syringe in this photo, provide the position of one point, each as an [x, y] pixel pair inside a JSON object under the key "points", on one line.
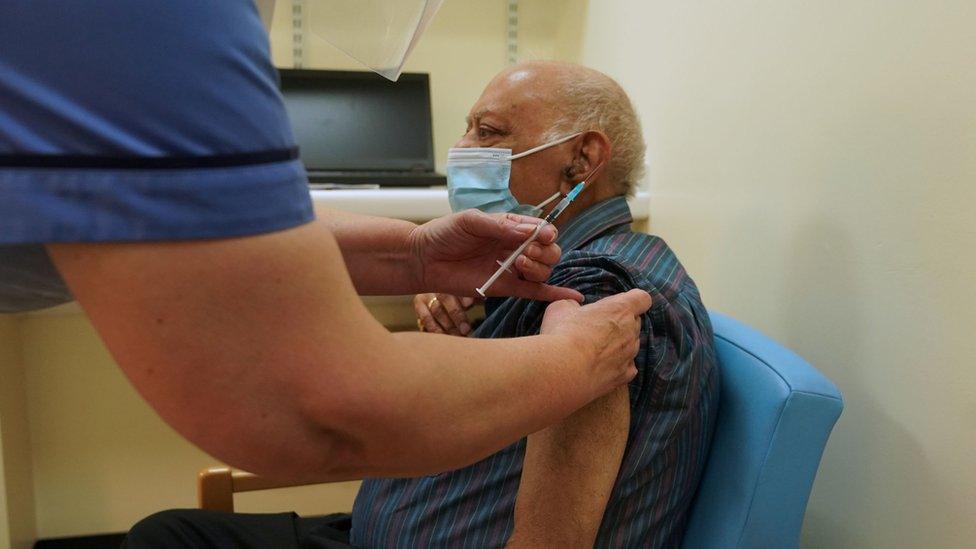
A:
{"points": [[556, 211]]}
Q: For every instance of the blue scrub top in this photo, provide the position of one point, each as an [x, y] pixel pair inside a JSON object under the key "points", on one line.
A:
{"points": [[136, 120]]}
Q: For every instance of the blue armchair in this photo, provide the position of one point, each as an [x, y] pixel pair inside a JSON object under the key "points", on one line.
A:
{"points": [[775, 414]]}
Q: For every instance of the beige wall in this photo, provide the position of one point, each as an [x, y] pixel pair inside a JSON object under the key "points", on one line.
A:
{"points": [[814, 165], [4, 516], [16, 490], [9, 353], [551, 29], [462, 49]]}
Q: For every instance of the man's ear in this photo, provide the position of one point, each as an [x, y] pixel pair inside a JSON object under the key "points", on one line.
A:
{"points": [[592, 149]]}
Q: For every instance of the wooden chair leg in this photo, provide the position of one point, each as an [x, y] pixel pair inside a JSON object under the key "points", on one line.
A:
{"points": [[215, 489]]}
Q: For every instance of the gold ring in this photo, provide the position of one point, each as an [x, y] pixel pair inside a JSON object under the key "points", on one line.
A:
{"points": [[430, 304], [420, 325]]}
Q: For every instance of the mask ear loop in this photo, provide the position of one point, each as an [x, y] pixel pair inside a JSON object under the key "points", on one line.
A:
{"points": [[544, 146], [547, 201]]}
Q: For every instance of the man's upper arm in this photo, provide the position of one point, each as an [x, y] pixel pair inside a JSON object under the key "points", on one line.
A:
{"points": [[569, 473], [570, 468]]}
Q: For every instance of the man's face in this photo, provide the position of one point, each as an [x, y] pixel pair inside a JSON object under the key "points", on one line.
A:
{"points": [[512, 113]]}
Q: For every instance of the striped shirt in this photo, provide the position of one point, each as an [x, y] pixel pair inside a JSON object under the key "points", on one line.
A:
{"points": [[673, 401]]}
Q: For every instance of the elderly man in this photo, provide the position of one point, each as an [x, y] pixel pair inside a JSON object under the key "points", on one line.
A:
{"points": [[620, 472]]}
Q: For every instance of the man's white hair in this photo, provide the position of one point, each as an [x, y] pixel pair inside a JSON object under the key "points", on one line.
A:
{"points": [[586, 99]]}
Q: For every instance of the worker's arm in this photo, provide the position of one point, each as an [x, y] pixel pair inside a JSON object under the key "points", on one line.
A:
{"points": [[259, 351], [568, 475], [453, 254]]}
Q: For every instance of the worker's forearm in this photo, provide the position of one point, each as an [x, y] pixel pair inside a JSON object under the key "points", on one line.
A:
{"points": [[443, 402], [375, 251]]}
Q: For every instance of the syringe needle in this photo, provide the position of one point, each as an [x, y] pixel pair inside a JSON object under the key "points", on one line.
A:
{"points": [[509, 260]]}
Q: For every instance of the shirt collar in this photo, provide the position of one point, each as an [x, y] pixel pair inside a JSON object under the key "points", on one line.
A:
{"points": [[594, 221]]}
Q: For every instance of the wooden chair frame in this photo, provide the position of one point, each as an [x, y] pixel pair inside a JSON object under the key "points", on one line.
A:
{"points": [[216, 487]]}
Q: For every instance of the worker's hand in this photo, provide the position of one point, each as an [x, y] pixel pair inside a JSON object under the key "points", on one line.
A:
{"points": [[443, 313], [457, 253], [608, 328]]}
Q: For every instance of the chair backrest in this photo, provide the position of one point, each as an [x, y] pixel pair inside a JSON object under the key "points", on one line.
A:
{"points": [[775, 414]]}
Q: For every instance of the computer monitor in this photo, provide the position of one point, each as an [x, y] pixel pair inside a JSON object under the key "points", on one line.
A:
{"points": [[359, 121]]}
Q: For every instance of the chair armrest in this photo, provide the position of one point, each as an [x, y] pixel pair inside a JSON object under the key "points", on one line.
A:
{"points": [[216, 487]]}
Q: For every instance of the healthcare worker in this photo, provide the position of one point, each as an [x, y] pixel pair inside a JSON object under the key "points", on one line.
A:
{"points": [[147, 170]]}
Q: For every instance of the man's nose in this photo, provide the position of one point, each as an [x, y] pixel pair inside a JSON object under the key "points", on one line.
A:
{"points": [[464, 142]]}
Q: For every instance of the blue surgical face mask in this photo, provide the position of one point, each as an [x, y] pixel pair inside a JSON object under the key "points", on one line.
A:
{"points": [[479, 178]]}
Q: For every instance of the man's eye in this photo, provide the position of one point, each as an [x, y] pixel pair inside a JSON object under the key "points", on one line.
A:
{"points": [[485, 132]]}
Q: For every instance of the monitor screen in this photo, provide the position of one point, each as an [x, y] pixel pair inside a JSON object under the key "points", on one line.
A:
{"points": [[345, 120]]}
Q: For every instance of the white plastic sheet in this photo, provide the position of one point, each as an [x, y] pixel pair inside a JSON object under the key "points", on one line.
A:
{"points": [[378, 33]]}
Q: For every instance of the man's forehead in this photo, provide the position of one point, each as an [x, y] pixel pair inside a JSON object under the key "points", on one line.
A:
{"points": [[513, 93]]}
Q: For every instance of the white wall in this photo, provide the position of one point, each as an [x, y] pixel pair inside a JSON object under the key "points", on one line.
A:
{"points": [[814, 165]]}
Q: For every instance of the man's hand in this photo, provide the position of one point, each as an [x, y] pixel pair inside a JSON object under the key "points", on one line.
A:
{"points": [[609, 329], [457, 253], [443, 313]]}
